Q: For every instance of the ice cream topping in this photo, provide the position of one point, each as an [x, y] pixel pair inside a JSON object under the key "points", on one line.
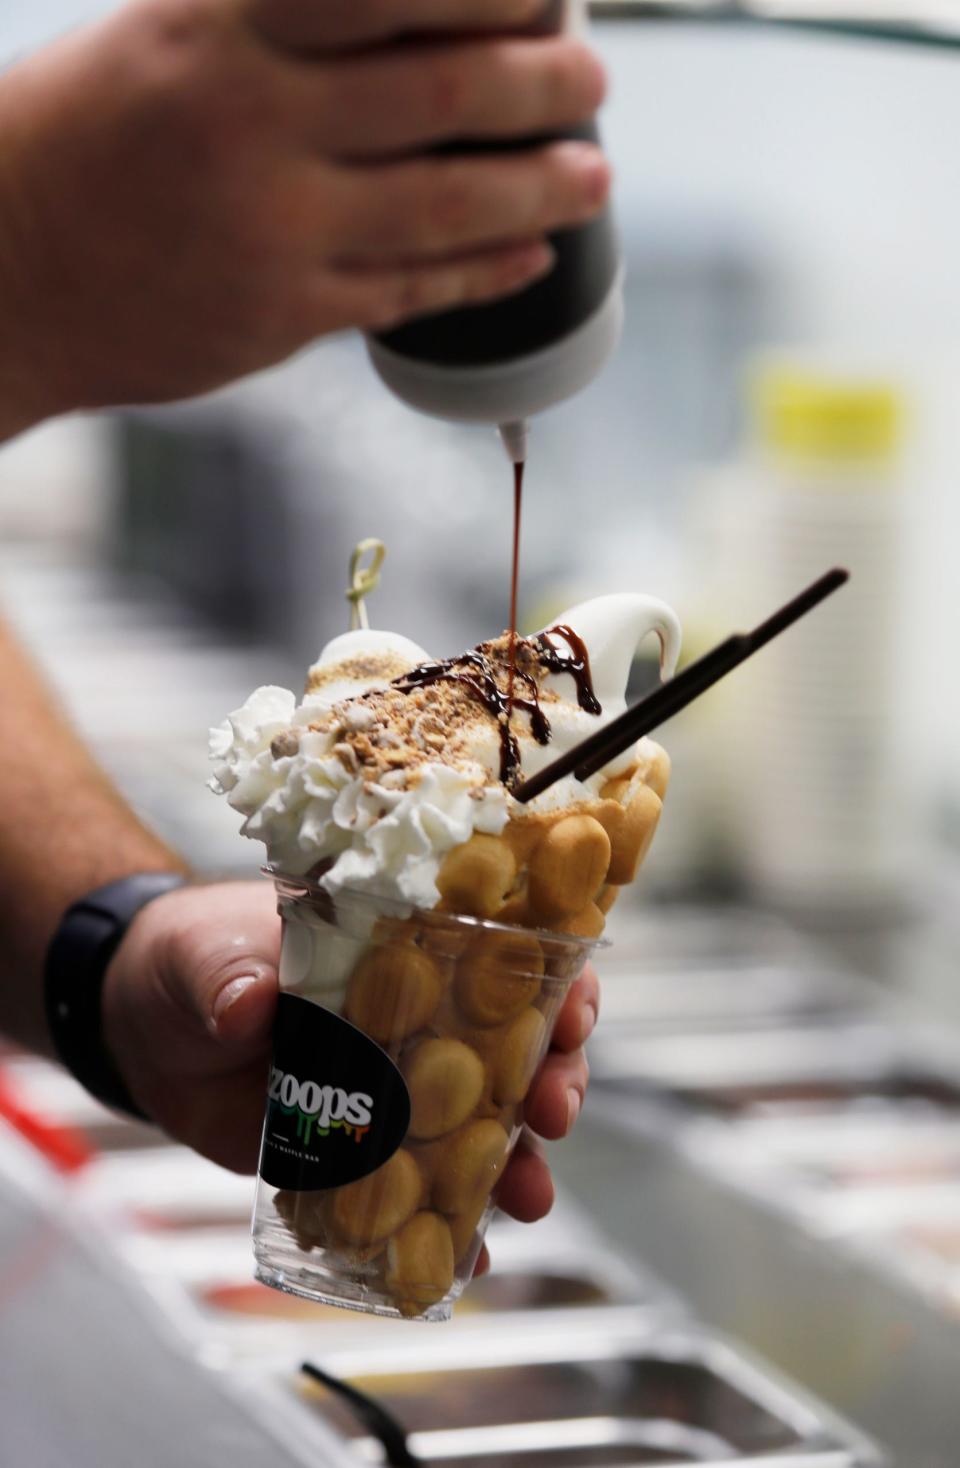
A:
{"points": [[392, 760]]}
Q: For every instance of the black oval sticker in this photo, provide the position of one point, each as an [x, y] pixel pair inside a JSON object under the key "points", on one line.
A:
{"points": [[337, 1106]]}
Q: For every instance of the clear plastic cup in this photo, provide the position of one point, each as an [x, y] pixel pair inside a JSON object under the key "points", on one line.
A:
{"points": [[406, 1043]]}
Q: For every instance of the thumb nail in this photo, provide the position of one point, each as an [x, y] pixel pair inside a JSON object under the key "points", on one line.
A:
{"points": [[227, 1000], [574, 1102]]}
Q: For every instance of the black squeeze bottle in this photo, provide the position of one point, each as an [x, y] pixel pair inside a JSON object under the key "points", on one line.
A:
{"points": [[501, 362]]}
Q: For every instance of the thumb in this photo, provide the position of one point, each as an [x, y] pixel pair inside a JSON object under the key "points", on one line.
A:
{"points": [[241, 1014], [222, 961]]}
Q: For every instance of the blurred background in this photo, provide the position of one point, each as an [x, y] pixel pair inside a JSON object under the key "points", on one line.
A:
{"points": [[786, 397]]}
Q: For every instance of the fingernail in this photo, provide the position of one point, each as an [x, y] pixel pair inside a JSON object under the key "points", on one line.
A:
{"points": [[587, 1023], [537, 260], [597, 82], [597, 181], [573, 1106], [594, 172], [228, 997]]}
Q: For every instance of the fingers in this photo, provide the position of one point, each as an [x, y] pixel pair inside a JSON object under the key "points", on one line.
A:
{"points": [[376, 299], [526, 1189], [338, 24], [578, 1016], [396, 101], [223, 1119], [554, 1104], [438, 207]]}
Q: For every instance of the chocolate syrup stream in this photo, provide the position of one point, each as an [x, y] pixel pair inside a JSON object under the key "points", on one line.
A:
{"points": [[514, 579], [476, 673]]}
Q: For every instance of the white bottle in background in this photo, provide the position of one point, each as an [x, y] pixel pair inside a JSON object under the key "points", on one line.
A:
{"points": [[821, 803]]}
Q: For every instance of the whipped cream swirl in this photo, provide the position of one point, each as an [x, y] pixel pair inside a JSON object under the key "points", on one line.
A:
{"points": [[292, 770]]}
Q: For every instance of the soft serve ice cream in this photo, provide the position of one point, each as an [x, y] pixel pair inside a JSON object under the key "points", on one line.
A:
{"points": [[393, 774]]}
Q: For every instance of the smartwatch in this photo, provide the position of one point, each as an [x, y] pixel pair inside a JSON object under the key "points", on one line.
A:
{"points": [[76, 964]]}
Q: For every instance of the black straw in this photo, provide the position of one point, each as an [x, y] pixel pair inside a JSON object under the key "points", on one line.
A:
{"points": [[592, 753]]}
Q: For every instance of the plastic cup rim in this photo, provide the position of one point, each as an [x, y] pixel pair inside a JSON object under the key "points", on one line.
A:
{"points": [[351, 897]]}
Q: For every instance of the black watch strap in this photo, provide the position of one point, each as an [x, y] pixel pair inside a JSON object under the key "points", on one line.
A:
{"points": [[76, 963]]}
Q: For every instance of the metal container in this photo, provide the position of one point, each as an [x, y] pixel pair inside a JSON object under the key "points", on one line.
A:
{"points": [[622, 1395], [844, 1154], [854, 1067], [907, 1238], [561, 1273], [693, 967], [821, 1303], [225, 1311], [166, 1192]]}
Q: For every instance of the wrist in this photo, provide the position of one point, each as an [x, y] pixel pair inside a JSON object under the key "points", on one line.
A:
{"points": [[75, 971]]}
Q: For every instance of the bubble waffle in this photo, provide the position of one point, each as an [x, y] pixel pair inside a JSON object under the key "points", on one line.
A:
{"points": [[393, 991], [566, 867], [445, 1080], [370, 1210], [420, 1262]]}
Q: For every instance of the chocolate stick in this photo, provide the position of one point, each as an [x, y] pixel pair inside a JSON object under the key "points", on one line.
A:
{"points": [[592, 753]]}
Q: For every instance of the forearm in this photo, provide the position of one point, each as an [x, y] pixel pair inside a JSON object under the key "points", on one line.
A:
{"points": [[27, 391], [22, 400], [64, 830]]}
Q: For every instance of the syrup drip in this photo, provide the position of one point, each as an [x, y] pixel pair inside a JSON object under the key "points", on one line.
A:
{"points": [[577, 664]]}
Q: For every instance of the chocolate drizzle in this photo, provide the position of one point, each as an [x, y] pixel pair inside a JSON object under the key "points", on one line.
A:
{"points": [[476, 672], [577, 664]]}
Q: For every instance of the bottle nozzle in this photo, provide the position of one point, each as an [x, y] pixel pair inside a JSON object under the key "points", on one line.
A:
{"points": [[514, 438]]}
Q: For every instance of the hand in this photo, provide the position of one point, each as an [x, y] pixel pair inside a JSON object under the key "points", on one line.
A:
{"points": [[526, 1189], [194, 189], [188, 1006]]}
